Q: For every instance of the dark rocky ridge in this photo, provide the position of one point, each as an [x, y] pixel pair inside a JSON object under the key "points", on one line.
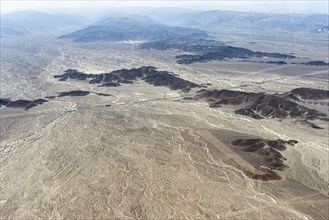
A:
{"points": [[102, 94], [255, 105], [263, 174], [276, 62], [50, 97], [74, 74], [184, 44], [279, 62], [21, 103], [228, 52], [316, 63], [74, 93], [310, 94], [260, 105], [27, 104], [127, 76], [209, 50], [4, 102], [266, 156]]}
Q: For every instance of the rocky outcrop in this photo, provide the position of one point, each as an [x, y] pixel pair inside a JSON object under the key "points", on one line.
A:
{"points": [[276, 62], [74, 93], [261, 105], [262, 174], [316, 63], [228, 52], [265, 156], [74, 74], [128, 76], [102, 94], [209, 50], [310, 94], [21, 103], [183, 44]]}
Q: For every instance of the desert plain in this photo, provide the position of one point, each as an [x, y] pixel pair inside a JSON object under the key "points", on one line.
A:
{"points": [[139, 151]]}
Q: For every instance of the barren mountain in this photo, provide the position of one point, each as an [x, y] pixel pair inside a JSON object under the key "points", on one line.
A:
{"points": [[28, 22], [132, 27], [148, 73], [260, 105], [207, 50], [220, 19]]}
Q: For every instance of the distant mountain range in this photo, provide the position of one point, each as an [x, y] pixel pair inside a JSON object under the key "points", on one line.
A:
{"points": [[162, 37], [132, 27], [225, 20], [26, 22], [168, 22]]}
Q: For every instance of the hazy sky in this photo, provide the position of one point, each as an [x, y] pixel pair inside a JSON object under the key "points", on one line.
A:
{"points": [[314, 6]]}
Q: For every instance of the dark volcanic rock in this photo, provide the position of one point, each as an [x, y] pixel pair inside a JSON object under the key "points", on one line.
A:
{"points": [[164, 78], [268, 156], [275, 106], [110, 84], [316, 63], [227, 97], [229, 52], [4, 102], [183, 44], [260, 105], [308, 93], [209, 50], [309, 124], [35, 103], [50, 97], [74, 93], [128, 76], [102, 94], [279, 62], [276, 62], [263, 174], [74, 74], [248, 112], [21, 103]]}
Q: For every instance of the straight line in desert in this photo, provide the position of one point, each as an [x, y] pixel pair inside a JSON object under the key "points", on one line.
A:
{"points": [[224, 149]]}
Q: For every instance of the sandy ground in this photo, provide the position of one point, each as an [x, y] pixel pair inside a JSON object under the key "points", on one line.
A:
{"points": [[146, 156]]}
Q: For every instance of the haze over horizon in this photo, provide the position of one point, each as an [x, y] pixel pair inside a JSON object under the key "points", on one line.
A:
{"points": [[246, 6]]}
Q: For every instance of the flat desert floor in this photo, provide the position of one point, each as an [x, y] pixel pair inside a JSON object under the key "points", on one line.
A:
{"points": [[145, 152]]}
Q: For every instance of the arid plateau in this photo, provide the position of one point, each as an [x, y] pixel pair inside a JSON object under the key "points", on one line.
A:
{"points": [[113, 130]]}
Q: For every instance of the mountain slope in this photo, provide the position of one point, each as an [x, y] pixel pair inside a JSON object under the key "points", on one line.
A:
{"points": [[262, 105], [128, 76], [207, 50], [26, 22], [217, 19], [132, 27]]}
